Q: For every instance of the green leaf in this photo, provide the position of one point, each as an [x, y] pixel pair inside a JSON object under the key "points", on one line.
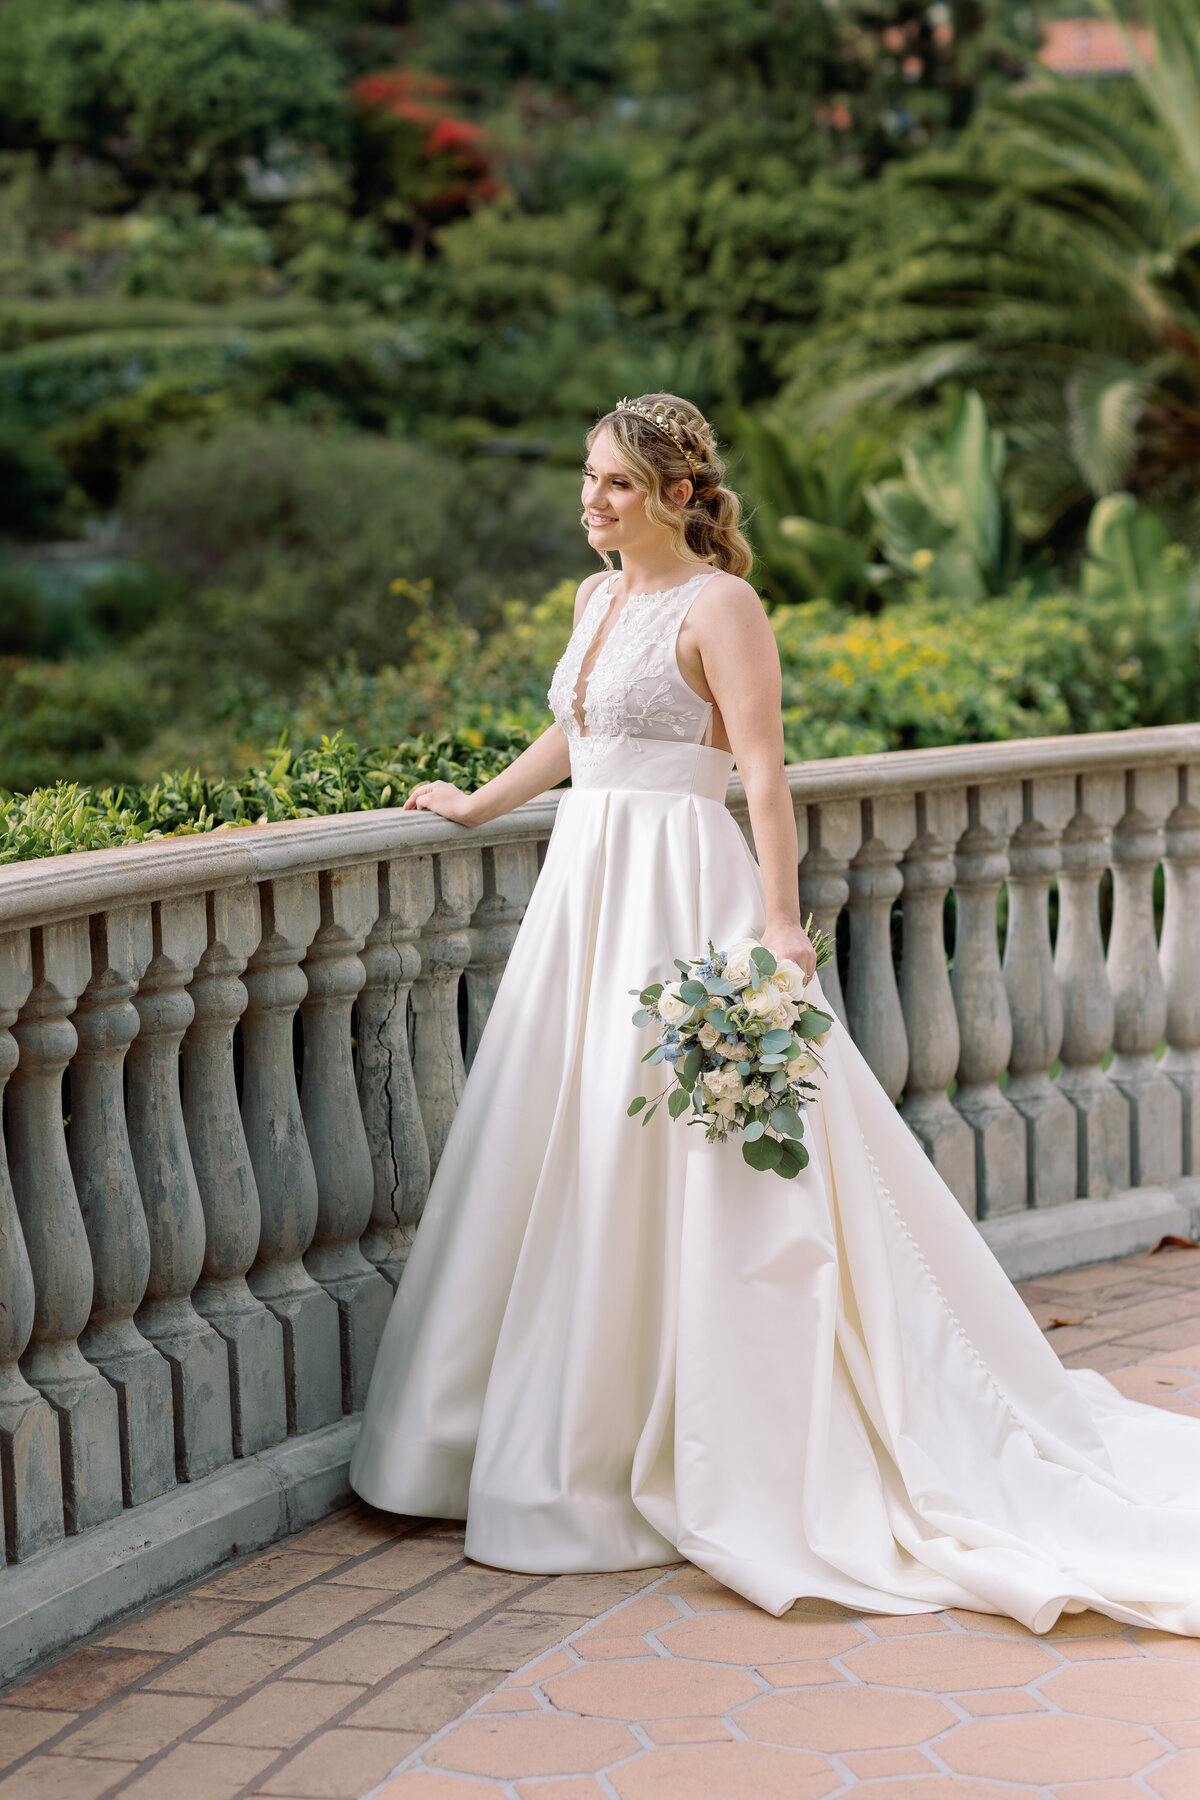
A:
{"points": [[812, 1024], [784, 1119], [656, 1055], [743, 1069], [753, 1131], [718, 1019], [778, 1039], [761, 1153], [715, 985], [693, 992], [641, 1017], [678, 1102], [635, 1106], [778, 1081], [684, 968], [792, 1158], [650, 994], [691, 1064], [763, 961], [649, 1113]]}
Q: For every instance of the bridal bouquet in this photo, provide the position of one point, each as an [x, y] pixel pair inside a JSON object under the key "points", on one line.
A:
{"points": [[740, 1040]]}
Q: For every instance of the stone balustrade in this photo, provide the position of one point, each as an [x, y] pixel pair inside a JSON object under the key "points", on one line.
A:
{"points": [[232, 1060]]}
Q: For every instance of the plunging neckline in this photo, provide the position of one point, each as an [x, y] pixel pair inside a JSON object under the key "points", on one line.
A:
{"points": [[583, 680]]}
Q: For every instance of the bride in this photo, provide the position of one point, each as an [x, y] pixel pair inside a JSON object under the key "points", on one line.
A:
{"points": [[613, 1345]]}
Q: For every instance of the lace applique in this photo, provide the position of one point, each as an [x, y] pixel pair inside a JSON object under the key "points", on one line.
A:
{"points": [[635, 689]]}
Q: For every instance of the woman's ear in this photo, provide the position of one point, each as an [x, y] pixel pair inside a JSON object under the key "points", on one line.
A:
{"points": [[682, 492]]}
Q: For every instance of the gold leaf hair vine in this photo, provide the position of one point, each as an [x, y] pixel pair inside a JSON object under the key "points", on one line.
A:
{"points": [[662, 423]]}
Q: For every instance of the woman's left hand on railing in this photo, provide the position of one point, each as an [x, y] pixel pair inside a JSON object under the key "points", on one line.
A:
{"points": [[443, 797]]}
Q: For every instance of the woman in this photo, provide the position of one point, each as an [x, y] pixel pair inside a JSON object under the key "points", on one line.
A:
{"points": [[614, 1345]]}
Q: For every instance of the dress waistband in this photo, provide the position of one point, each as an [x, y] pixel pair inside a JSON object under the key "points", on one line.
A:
{"points": [[651, 765]]}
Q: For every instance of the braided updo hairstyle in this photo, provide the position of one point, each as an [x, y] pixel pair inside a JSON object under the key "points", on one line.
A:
{"points": [[704, 530]]}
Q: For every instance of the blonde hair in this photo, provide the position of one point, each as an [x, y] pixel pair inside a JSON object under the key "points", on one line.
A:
{"points": [[705, 529]]}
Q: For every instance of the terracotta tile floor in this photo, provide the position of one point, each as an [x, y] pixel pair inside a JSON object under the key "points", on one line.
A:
{"points": [[365, 1656]]}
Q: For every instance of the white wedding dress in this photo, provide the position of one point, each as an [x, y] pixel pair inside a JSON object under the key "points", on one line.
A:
{"points": [[616, 1345]]}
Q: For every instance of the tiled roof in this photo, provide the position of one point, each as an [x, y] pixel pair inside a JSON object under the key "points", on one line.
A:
{"points": [[1091, 47]]}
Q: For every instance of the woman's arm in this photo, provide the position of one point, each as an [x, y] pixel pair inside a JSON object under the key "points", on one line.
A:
{"points": [[741, 666], [546, 762], [543, 765]]}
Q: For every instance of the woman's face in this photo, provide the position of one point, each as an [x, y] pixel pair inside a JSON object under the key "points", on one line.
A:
{"points": [[615, 510]]}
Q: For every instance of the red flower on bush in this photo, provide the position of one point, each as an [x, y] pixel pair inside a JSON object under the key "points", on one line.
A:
{"points": [[454, 149]]}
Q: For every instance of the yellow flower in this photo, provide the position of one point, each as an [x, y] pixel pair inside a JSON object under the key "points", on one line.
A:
{"points": [[922, 560]]}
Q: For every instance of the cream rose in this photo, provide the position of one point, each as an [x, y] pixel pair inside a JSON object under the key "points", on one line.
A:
{"points": [[731, 1052], [765, 999], [672, 1008], [724, 1084], [803, 1065], [784, 1015], [709, 1035], [738, 967], [790, 977], [755, 1094]]}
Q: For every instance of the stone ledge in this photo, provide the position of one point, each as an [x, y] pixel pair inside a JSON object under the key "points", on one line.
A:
{"points": [[1047, 1241], [90, 1580]]}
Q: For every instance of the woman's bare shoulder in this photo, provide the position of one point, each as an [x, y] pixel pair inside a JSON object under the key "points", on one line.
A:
{"points": [[727, 601], [585, 590]]}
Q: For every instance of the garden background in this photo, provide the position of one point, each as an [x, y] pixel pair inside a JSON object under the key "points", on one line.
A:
{"points": [[305, 308]]}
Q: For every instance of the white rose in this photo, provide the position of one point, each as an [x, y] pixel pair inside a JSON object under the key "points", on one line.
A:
{"points": [[803, 1065], [709, 1035], [672, 1009], [724, 1084], [738, 967], [732, 1052], [784, 1015], [790, 977], [756, 1093], [765, 1000], [824, 1037], [724, 1109]]}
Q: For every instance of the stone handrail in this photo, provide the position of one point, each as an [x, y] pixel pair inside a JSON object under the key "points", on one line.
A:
{"points": [[202, 1225]]}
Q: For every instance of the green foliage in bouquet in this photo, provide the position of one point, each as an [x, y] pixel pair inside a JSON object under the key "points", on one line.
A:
{"points": [[738, 1037]]}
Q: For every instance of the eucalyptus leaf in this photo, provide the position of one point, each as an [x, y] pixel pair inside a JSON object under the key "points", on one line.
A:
{"points": [[778, 1081], [718, 1019], [792, 1158], [649, 1113], [785, 1120], [684, 968], [813, 1024], [743, 1068], [654, 1056], [763, 961], [635, 1106], [650, 994], [777, 1039], [753, 1131], [761, 1153], [641, 1017], [693, 992], [678, 1102], [716, 985], [691, 1064]]}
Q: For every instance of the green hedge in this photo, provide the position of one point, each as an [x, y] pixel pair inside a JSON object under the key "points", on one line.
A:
{"points": [[334, 777]]}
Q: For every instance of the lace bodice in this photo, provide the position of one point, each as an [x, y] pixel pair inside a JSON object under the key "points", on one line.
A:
{"points": [[635, 689]]}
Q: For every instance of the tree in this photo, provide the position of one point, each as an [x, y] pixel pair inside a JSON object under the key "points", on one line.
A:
{"points": [[177, 96], [1053, 259]]}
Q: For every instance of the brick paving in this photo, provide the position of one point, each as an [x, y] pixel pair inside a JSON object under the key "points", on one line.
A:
{"points": [[366, 1656]]}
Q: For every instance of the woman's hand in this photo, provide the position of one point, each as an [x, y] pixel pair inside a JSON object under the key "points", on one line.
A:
{"points": [[442, 797], [791, 940]]}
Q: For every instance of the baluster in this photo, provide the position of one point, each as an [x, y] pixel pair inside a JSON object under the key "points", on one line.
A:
{"points": [[280, 1156], [253, 1337], [1139, 998], [1101, 1112], [329, 1103], [509, 872], [61, 1263], [171, 1198], [1179, 959], [872, 999], [824, 891], [445, 953], [1034, 860], [111, 1203], [31, 1498], [929, 1016], [386, 1089], [984, 1022]]}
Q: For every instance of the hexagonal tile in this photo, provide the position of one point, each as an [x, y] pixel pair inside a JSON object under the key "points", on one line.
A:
{"points": [[844, 1718], [724, 1772], [658, 1689], [942, 1787], [1179, 1779], [751, 1638], [946, 1664], [1046, 1747], [1150, 1691], [530, 1744]]}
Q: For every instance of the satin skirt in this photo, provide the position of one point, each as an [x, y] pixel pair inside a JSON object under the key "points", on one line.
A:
{"points": [[615, 1344]]}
